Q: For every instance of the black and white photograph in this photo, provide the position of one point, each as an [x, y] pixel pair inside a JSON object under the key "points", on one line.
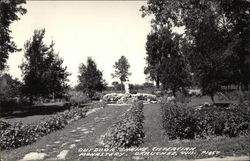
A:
{"points": [[124, 80]]}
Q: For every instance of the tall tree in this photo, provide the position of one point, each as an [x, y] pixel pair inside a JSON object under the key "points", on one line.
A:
{"points": [[56, 74], [175, 73], [9, 10], [42, 70], [211, 27], [154, 57], [90, 78], [165, 60], [121, 69]]}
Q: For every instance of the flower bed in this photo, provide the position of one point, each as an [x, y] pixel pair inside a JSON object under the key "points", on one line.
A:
{"points": [[127, 131], [128, 98], [187, 123]]}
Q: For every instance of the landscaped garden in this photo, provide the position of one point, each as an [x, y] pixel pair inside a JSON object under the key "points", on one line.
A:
{"points": [[188, 100], [165, 130]]}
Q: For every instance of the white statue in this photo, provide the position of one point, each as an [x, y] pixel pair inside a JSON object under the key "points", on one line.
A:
{"points": [[126, 85]]}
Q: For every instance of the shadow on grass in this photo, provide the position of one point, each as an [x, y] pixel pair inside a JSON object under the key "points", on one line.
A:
{"points": [[24, 111]]}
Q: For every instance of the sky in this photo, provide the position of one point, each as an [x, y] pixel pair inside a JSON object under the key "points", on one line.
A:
{"points": [[103, 30]]}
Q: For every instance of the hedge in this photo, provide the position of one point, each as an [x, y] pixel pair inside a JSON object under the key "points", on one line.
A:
{"points": [[128, 130]]}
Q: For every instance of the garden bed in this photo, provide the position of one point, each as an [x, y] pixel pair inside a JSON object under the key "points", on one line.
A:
{"points": [[127, 131]]}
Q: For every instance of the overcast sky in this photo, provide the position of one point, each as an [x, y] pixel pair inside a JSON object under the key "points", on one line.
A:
{"points": [[104, 30]]}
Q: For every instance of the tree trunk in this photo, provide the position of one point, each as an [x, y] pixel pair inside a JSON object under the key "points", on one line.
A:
{"points": [[157, 81], [31, 99], [212, 97]]}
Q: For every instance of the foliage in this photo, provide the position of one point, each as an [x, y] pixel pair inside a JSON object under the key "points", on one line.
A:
{"points": [[4, 124], [112, 97], [216, 37], [116, 85], [178, 122], [18, 134], [128, 131], [165, 60], [121, 69], [183, 122], [78, 98], [154, 54], [10, 91], [42, 69], [129, 98], [90, 78], [9, 11], [9, 87]]}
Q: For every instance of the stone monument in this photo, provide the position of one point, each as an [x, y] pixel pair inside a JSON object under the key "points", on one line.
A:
{"points": [[126, 86]]}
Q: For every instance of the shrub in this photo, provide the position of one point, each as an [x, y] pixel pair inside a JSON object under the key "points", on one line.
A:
{"points": [[128, 130], [78, 98], [4, 125], [178, 121], [97, 96], [183, 122]]}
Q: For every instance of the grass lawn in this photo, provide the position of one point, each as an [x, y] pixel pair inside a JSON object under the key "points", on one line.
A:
{"points": [[32, 114], [194, 101]]}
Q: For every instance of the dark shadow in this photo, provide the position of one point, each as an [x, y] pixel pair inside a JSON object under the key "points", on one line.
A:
{"points": [[24, 111]]}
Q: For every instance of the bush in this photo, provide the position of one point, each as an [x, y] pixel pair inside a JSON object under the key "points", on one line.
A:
{"points": [[178, 121], [18, 134], [4, 124], [97, 96], [128, 130], [78, 98], [187, 123]]}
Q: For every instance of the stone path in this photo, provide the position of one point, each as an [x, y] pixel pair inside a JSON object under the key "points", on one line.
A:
{"points": [[64, 144]]}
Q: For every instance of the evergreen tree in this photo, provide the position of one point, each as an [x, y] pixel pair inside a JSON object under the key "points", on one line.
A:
{"points": [[121, 69]]}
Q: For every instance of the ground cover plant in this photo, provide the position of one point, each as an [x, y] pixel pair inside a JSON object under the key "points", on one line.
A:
{"points": [[183, 122], [128, 130]]}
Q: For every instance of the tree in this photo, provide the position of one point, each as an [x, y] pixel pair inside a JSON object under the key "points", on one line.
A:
{"points": [[121, 69], [154, 55], [55, 75], [166, 60], [9, 88], [42, 69], [9, 11], [116, 85], [211, 27], [90, 78]]}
